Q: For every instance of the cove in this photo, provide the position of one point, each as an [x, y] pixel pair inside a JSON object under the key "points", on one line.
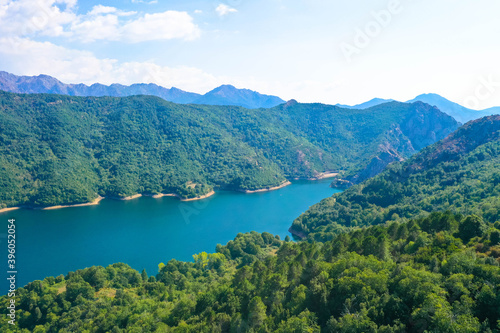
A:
{"points": [[146, 231]]}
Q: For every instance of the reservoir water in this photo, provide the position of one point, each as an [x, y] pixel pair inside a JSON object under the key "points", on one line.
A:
{"points": [[144, 232]]}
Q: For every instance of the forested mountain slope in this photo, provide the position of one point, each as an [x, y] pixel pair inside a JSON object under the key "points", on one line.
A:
{"points": [[459, 173], [363, 142], [435, 274], [57, 149]]}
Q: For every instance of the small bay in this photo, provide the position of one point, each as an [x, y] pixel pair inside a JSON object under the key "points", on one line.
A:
{"points": [[146, 231]]}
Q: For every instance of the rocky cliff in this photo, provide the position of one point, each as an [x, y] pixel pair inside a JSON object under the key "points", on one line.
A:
{"points": [[419, 129]]}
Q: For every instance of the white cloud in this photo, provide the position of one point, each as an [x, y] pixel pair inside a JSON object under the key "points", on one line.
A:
{"points": [[223, 10], [29, 18], [99, 27], [167, 25], [146, 2], [100, 9], [23, 56]]}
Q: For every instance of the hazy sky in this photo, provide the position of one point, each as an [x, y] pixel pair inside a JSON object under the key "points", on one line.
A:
{"points": [[310, 50]]}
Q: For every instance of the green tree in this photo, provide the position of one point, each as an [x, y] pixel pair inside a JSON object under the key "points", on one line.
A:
{"points": [[256, 312], [472, 226]]}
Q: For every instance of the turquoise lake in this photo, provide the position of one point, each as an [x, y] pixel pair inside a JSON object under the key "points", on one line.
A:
{"points": [[145, 231]]}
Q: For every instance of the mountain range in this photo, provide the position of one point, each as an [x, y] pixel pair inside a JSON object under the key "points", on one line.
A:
{"points": [[223, 95], [57, 149], [457, 111], [366, 105]]}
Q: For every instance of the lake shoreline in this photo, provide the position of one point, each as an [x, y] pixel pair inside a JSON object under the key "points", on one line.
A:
{"points": [[101, 235], [8, 209], [299, 234], [97, 200], [160, 195], [135, 196], [93, 203], [321, 176], [284, 184]]}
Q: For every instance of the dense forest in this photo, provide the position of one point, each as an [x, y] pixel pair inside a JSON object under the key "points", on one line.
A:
{"points": [[439, 273], [57, 149], [459, 173], [415, 249]]}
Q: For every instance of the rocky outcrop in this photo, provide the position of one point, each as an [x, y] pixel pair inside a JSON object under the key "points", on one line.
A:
{"points": [[427, 125], [377, 164], [467, 138], [418, 130]]}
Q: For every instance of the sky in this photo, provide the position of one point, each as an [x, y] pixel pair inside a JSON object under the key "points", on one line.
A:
{"points": [[326, 51]]}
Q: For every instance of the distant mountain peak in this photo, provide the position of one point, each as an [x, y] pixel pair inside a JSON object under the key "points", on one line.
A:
{"points": [[373, 102], [430, 94], [457, 111], [45, 76], [376, 100], [225, 94], [226, 87]]}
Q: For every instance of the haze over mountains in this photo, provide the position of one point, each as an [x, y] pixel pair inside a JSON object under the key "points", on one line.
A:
{"points": [[366, 105], [457, 111], [223, 95]]}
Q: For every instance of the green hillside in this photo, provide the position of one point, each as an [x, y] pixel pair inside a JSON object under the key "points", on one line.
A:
{"points": [[435, 274], [58, 149], [459, 173]]}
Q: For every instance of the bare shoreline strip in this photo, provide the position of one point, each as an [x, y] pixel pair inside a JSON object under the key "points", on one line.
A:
{"points": [[326, 175], [4, 210], [322, 175], [286, 183], [209, 194], [159, 195], [127, 198], [95, 202]]}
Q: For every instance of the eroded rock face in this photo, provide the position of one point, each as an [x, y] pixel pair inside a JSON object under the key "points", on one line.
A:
{"points": [[426, 126], [462, 141], [376, 165], [420, 129]]}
